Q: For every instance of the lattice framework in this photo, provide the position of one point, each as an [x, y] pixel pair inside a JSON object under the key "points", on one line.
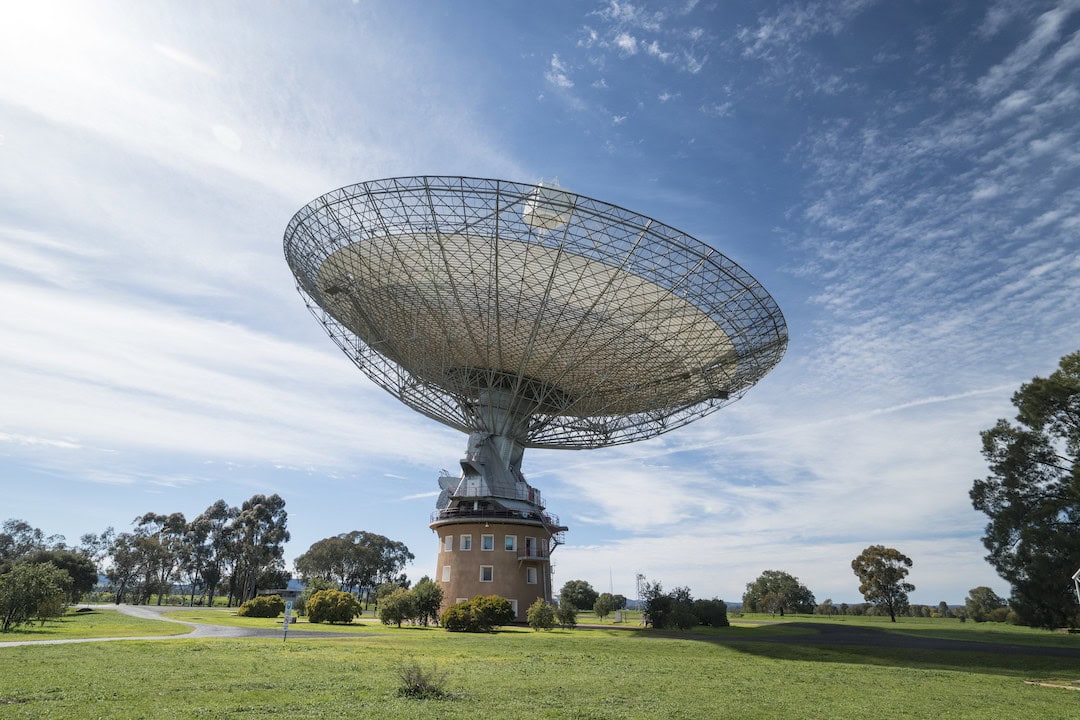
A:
{"points": [[602, 325]]}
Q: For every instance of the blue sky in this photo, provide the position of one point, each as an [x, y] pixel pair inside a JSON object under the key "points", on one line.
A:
{"points": [[902, 176]]}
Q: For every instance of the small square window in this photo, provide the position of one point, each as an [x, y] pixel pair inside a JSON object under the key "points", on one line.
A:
{"points": [[510, 543], [487, 573], [466, 543], [446, 573], [530, 575], [461, 600], [448, 543], [487, 542]]}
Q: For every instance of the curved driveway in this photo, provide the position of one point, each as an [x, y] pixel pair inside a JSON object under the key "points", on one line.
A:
{"points": [[198, 630]]}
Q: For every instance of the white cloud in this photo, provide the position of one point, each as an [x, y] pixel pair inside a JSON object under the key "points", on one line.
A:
{"points": [[627, 43], [556, 74], [653, 49], [1046, 31], [628, 14]]}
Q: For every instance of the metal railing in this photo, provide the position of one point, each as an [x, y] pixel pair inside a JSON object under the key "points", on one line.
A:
{"points": [[466, 512]]}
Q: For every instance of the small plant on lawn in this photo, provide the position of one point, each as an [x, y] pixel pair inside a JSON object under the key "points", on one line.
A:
{"points": [[264, 606], [541, 615], [420, 682], [332, 606]]}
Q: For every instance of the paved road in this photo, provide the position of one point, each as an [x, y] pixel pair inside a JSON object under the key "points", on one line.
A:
{"points": [[198, 630]]}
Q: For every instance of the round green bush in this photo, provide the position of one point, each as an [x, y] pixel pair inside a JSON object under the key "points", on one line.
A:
{"points": [[541, 615], [264, 606], [458, 617], [332, 606]]}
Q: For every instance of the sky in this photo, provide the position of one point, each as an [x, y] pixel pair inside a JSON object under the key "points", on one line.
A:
{"points": [[903, 177]]}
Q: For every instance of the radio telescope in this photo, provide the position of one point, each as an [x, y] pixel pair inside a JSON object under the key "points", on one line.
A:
{"points": [[525, 316]]}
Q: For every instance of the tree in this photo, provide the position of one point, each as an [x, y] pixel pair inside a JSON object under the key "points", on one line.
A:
{"points": [[541, 615], [18, 538], [881, 572], [259, 537], [712, 613], [81, 571], [682, 615], [604, 604], [943, 609], [826, 608], [357, 561], [578, 593], [124, 570], [160, 538], [775, 591], [1032, 497], [619, 602], [566, 614], [397, 607], [31, 591], [429, 597], [657, 607], [981, 603]]}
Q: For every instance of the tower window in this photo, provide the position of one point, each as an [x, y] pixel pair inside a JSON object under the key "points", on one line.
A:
{"points": [[487, 573], [465, 543], [530, 575], [487, 542], [448, 543], [446, 573], [510, 543]]}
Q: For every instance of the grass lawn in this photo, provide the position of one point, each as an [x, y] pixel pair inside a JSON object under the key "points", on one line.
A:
{"points": [[516, 673], [93, 624]]}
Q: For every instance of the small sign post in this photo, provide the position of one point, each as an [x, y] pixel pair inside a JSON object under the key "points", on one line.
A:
{"points": [[288, 612]]}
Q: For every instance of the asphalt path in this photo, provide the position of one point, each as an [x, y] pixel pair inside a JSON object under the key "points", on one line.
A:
{"points": [[198, 630]]}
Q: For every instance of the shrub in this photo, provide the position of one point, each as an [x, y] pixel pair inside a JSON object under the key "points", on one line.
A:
{"points": [[481, 614], [421, 683], [489, 611], [541, 615], [711, 612], [264, 606], [566, 614], [397, 607], [458, 617], [332, 606], [310, 588]]}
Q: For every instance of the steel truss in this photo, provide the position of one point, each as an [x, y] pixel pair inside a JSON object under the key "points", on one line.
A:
{"points": [[581, 323]]}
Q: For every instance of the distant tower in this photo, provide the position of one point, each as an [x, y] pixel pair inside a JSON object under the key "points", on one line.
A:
{"points": [[525, 316]]}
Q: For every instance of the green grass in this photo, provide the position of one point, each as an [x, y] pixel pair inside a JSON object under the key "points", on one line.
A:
{"points": [[228, 617], [93, 624], [585, 673]]}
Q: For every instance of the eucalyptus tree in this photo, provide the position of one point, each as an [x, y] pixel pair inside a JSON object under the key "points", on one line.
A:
{"points": [[161, 539], [1032, 497], [775, 591], [881, 572], [258, 539], [357, 561]]}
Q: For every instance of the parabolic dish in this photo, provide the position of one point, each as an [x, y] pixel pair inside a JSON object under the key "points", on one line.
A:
{"points": [[602, 326]]}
